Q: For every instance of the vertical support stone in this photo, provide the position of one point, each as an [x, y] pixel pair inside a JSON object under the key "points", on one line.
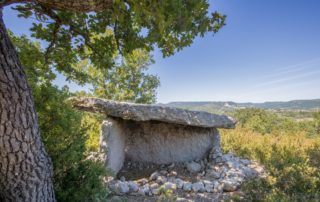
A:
{"points": [[112, 144], [216, 153]]}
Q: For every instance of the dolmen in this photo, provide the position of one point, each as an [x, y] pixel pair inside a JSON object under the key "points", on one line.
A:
{"points": [[153, 133]]}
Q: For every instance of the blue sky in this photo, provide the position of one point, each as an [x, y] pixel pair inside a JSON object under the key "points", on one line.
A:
{"points": [[268, 51]]}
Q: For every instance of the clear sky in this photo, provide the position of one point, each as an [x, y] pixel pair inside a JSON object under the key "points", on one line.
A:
{"points": [[268, 51]]}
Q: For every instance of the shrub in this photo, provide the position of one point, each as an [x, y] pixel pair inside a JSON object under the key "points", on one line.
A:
{"points": [[292, 161]]}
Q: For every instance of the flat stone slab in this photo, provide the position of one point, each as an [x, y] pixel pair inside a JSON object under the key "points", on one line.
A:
{"points": [[146, 112]]}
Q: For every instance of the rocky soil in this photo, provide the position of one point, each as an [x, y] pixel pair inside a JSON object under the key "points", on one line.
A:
{"points": [[202, 180]]}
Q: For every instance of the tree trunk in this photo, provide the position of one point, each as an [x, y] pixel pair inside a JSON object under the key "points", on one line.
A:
{"points": [[25, 167]]}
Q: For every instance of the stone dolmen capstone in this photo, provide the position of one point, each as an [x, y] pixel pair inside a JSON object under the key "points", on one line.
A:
{"points": [[153, 133]]}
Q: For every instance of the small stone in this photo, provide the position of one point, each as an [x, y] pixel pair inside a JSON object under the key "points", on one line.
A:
{"points": [[161, 179], [145, 189], [219, 159], [173, 173], [216, 184], [208, 185], [121, 188], [198, 187], [179, 183], [141, 192], [214, 174], [245, 161], [218, 189], [143, 181], [155, 191], [187, 186], [231, 173], [229, 185], [171, 165], [171, 179], [133, 186], [259, 169], [169, 185], [193, 167], [202, 174], [122, 179], [230, 164], [248, 172], [154, 175], [154, 186], [163, 172], [116, 199]]}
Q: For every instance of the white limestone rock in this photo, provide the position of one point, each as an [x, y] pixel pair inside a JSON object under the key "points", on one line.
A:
{"points": [[198, 187], [208, 185], [133, 186], [213, 174], [161, 179], [154, 175], [144, 190], [230, 185], [193, 167], [187, 186], [179, 183], [122, 187]]}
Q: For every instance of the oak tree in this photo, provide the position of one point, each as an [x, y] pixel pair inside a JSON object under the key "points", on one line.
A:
{"points": [[70, 27]]}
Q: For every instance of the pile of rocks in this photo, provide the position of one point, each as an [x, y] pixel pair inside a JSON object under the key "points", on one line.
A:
{"points": [[196, 176]]}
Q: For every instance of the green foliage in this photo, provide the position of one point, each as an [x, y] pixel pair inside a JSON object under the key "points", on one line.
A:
{"points": [[92, 123], [38, 73], [168, 25], [257, 119], [75, 177], [289, 154], [266, 122], [166, 195], [83, 183], [315, 130], [69, 135], [127, 80]]}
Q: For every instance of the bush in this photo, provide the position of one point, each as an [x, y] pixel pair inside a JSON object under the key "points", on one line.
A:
{"points": [[65, 139], [292, 160], [266, 122], [82, 182]]}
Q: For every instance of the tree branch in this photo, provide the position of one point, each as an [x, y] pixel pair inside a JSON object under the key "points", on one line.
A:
{"points": [[72, 27], [67, 5], [57, 26], [116, 37]]}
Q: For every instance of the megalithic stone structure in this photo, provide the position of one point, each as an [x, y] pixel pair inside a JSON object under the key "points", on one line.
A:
{"points": [[153, 133]]}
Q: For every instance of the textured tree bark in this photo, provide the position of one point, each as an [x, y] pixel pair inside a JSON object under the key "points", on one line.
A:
{"points": [[25, 167]]}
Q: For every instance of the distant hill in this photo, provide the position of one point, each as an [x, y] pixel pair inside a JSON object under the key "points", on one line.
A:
{"points": [[230, 106]]}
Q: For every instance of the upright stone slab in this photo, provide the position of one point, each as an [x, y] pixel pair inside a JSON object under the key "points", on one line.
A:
{"points": [[155, 134], [113, 144]]}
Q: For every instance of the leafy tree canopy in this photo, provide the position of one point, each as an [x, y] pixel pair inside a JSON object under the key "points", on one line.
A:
{"points": [[73, 36]]}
